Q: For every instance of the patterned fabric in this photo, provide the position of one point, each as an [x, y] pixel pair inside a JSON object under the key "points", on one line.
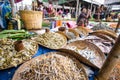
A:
{"points": [[5, 10]]}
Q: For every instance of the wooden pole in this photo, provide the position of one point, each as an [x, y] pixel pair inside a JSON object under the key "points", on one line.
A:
{"points": [[117, 26], [110, 62], [91, 4], [94, 10], [77, 8], [56, 5], [13, 7]]}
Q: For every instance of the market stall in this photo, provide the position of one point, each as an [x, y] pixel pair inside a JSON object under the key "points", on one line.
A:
{"points": [[49, 41], [60, 53]]}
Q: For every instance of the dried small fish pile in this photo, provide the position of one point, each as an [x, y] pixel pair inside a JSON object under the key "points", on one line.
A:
{"points": [[72, 34], [103, 44], [88, 54], [9, 57], [51, 40], [51, 66], [102, 26]]}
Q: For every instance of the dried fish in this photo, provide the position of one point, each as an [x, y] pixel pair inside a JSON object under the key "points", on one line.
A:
{"points": [[88, 54], [104, 45], [51, 40], [52, 66], [102, 26], [9, 57]]}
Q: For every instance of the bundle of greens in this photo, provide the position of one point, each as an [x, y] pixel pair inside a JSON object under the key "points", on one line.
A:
{"points": [[16, 34]]}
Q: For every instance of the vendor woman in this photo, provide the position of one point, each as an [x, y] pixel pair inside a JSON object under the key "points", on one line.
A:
{"points": [[83, 17], [99, 14]]}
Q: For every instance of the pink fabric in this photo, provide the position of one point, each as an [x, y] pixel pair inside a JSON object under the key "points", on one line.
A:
{"points": [[71, 24], [16, 1]]}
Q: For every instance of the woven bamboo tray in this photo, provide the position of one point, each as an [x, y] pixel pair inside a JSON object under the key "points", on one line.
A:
{"points": [[62, 33], [105, 45], [81, 45], [39, 58], [20, 52], [106, 35], [83, 30], [74, 32], [107, 32], [102, 36], [53, 42]]}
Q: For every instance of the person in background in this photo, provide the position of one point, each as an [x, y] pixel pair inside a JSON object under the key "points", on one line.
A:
{"points": [[96, 16], [83, 17], [73, 13], [45, 12], [99, 14], [110, 16], [51, 10], [89, 16], [40, 6], [102, 12], [60, 12]]}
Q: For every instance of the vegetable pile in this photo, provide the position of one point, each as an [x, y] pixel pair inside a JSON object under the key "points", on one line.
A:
{"points": [[15, 34]]}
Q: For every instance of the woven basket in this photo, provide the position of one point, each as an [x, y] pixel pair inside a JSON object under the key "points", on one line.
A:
{"points": [[31, 19]]}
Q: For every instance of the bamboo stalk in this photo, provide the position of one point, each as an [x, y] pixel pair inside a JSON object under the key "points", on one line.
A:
{"points": [[110, 62], [117, 26]]}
